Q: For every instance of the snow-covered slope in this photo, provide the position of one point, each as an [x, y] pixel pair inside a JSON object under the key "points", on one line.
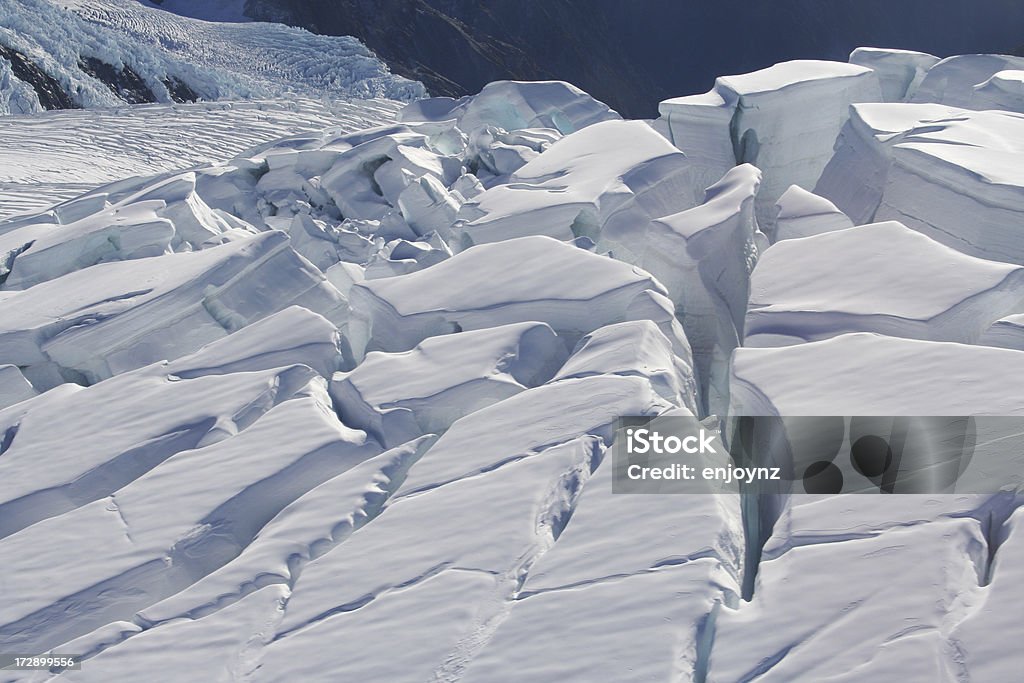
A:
{"points": [[58, 155], [91, 53], [343, 405]]}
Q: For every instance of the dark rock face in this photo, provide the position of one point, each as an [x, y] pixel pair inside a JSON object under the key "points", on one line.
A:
{"points": [[179, 90], [50, 93], [633, 53], [123, 82]]}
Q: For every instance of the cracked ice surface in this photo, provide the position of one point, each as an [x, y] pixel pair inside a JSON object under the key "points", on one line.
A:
{"points": [[852, 570], [339, 407], [783, 119]]}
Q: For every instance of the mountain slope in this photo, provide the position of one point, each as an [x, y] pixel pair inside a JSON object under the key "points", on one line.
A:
{"points": [[95, 53], [633, 54]]}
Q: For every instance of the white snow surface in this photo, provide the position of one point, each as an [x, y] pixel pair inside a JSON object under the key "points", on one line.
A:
{"points": [[518, 280], [339, 406], [853, 373], [445, 378], [112, 317], [882, 278], [55, 156], [800, 213], [14, 388]]}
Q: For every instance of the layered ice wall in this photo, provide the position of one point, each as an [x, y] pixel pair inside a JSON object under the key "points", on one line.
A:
{"points": [[900, 72], [783, 119], [956, 81], [950, 173], [704, 257]]}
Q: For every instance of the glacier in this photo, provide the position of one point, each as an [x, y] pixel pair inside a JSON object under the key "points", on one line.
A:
{"points": [[101, 53], [322, 382]]}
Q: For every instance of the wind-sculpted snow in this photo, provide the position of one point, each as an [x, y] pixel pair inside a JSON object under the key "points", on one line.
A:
{"points": [[800, 213], [882, 278], [636, 347], [915, 614], [529, 278], [165, 530], [1007, 332], [425, 542], [47, 472], [97, 322], [340, 406], [293, 336], [14, 388], [679, 564], [1004, 90], [953, 174], [303, 531], [863, 372], [445, 378], [607, 177], [867, 622]]}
